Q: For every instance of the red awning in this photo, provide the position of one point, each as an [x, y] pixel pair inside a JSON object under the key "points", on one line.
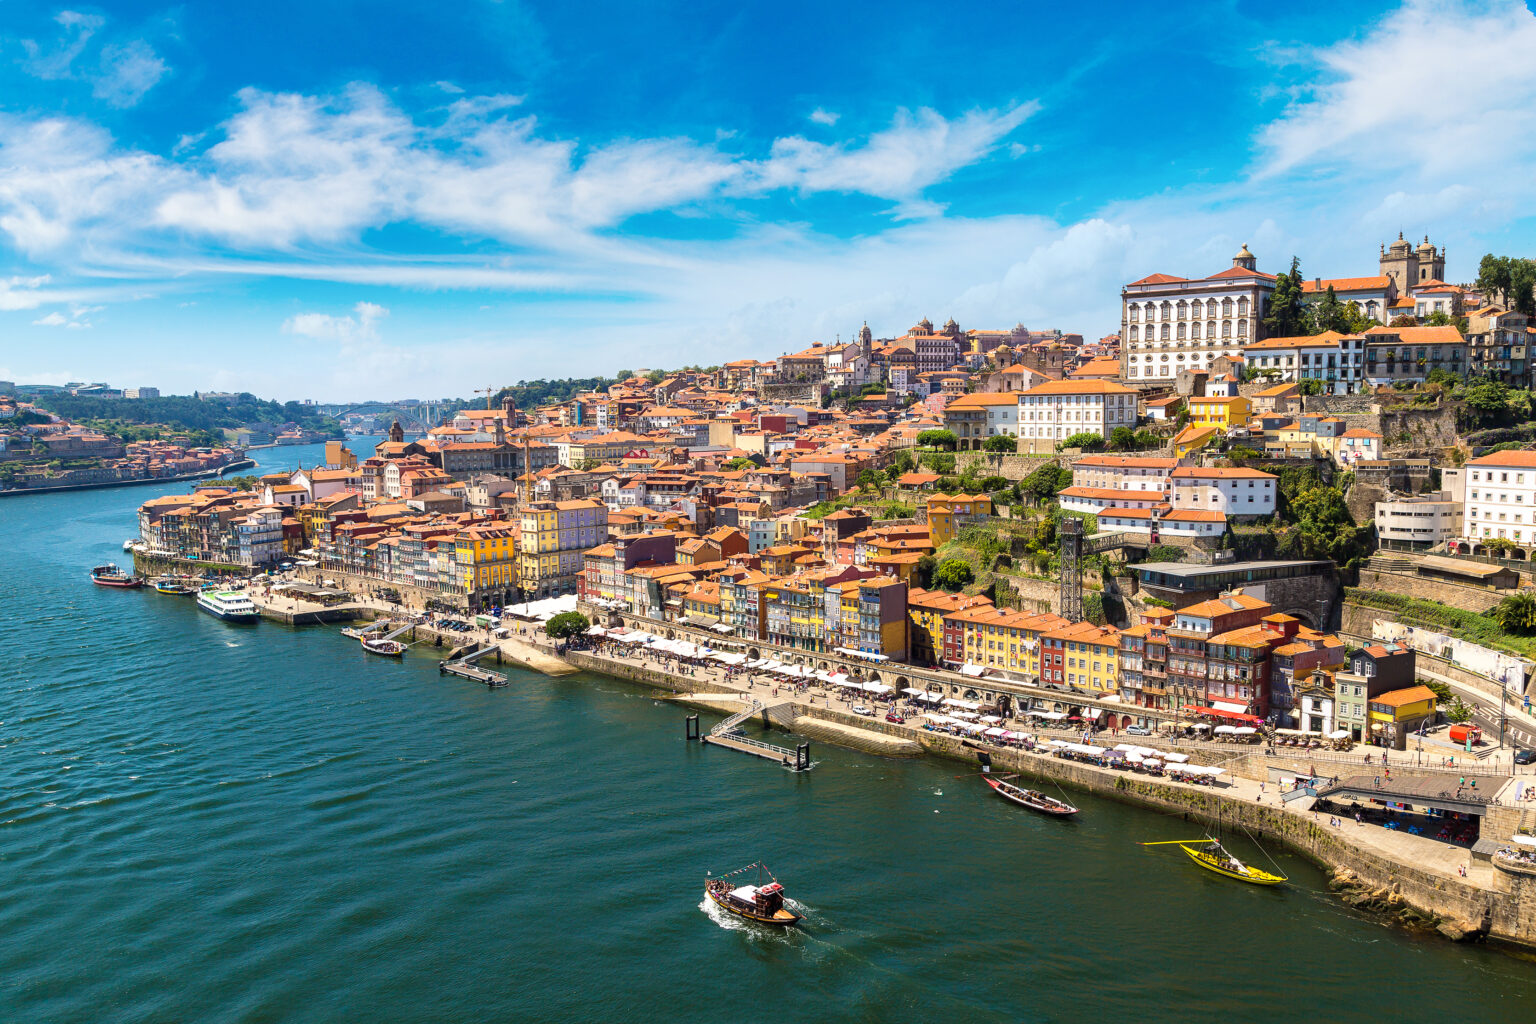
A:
{"points": [[1235, 716]]}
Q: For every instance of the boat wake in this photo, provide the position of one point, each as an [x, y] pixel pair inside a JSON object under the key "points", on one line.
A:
{"points": [[757, 933], [230, 643]]}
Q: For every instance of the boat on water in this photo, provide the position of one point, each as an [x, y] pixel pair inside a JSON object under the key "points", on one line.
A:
{"points": [[761, 901], [174, 586], [229, 605], [1211, 855], [1031, 798], [388, 648], [110, 575]]}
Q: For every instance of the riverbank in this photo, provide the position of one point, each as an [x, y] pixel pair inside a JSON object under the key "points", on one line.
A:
{"points": [[102, 485], [1417, 881]]}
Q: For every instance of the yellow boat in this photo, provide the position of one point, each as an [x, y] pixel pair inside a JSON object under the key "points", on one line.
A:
{"points": [[1211, 855]]}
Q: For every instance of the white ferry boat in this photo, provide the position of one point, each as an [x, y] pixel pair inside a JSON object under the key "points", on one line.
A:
{"points": [[229, 605]]}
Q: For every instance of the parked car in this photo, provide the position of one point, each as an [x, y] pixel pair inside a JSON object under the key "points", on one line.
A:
{"points": [[860, 709], [1137, 730], [1525, 757], [895, 716]]}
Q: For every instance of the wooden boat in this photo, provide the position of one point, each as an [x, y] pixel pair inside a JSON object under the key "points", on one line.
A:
{"points": [[175, 587], [1211, 855], [762, 902], [111, 576], [387, 648], [1033, 799]]}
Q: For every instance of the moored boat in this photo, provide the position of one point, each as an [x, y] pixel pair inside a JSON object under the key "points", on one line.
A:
{"points": [[229, 605], [388, 648], [174, 586], [762, 901], [110, 575], [1031, 798], [1211, 855]]}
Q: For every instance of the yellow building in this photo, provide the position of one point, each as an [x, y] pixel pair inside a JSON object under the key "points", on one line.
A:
{"points": [[487, 561], [1396, 713], [948, 513], [1192, 438], [999, 637], [925, 620], [1221, 413], [1082, 655]]}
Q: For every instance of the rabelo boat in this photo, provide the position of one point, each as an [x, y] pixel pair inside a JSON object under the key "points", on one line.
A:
{"points": [[762, 901], [1031, 798]]}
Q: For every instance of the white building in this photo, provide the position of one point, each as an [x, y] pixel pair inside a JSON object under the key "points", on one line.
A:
{"points": [[1333, 358], [1102, 500], [1501, 497], [1372, 296], [1123, 472], [1127, 520], [1169, 324], [1051, 412], [1416, 523], [1192, 522], [1233, 491]]}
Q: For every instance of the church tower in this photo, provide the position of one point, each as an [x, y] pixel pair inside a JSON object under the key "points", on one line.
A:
{"points": [[396, 432], [866, 342]]}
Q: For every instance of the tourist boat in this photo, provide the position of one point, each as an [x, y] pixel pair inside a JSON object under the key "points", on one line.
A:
{"points": [[1033, 799], [762, 901], [111, 576], [175, 586], [1211, 855], [388, 648], [229, 605]]}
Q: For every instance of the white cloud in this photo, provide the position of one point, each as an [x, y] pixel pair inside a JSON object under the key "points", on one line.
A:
{"points": [[128, 71], [823, 116], [916, 151], [123, 74], [75, 321], [362, 326], [1425, 88], [54, 62]]}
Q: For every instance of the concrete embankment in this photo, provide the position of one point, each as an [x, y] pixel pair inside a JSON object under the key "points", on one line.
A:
{"points": [[1370, 878]]}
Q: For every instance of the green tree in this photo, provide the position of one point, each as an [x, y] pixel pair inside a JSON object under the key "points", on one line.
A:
{"points": [[1287, 314], [953, 574], [922, 572], [869, 480], [739, 463], [1510, 280], [1517, 614], [1001, 443], [939, 462], [1044, 483], [902, 463], [1320, 510], [1309, 386], [944, 439], [1458, 711], [1122, 439], [1326, 314], [566, 625], [1086, 440]]}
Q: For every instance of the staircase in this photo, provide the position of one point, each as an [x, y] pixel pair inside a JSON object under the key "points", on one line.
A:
{"points": [[1384, 562], [729, 725]]}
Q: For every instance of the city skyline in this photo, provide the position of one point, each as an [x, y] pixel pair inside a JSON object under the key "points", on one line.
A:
{"points": [[307, 205]]}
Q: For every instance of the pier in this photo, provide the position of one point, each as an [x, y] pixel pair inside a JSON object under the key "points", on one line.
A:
{"points": [[465, 668], [728, 735]]}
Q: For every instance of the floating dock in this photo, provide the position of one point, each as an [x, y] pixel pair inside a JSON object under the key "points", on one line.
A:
{"points": [[728, 735]]}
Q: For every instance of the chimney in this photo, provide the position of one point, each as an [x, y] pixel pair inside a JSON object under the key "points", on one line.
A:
{"points": [[1317, 283]]}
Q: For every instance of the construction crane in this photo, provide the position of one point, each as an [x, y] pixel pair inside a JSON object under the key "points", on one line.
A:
{"points": [[488, 392]]}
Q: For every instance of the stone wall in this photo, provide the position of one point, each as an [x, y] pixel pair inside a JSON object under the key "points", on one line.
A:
{"points": [[1356, 624], [1014, 467], [1472, 599]]}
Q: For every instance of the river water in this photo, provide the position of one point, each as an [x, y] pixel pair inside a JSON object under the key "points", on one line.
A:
{"points": [[206, 822]]}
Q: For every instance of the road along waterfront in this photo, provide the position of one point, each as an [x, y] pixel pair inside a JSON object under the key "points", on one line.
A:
{"points": [[251, 823]]}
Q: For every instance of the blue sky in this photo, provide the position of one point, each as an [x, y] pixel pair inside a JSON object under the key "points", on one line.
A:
{"points": [[349, 200]]}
